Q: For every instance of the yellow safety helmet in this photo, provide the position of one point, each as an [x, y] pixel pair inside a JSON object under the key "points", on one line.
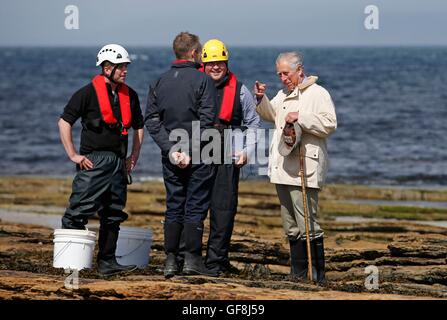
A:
{"points": [[214, 50]]}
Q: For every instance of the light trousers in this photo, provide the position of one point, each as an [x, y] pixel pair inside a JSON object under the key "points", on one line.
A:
{"points": [[292, 212]]}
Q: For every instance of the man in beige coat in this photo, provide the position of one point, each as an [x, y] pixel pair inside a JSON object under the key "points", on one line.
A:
{"points": [[303, 103]]}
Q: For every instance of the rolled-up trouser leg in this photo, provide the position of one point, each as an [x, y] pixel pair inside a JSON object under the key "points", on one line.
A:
{"points": [[88, 190], [223, 210], [292, 211]]}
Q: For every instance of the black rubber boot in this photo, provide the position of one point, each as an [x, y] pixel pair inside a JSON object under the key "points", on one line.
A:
{"points": [[112, 267], [221, 229], [318, 263], [298, 258], [181, 252], [173, 232], [194, 265], [107, 264]]}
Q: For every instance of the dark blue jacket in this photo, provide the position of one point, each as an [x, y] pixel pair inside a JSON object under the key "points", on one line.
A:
{"points": [[181, 95]]}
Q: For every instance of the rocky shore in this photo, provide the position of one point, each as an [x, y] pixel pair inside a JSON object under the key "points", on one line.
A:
{"points": [[410, 256]]}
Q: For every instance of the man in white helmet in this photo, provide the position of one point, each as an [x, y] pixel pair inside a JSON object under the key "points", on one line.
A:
{"points": [[108, 108]]}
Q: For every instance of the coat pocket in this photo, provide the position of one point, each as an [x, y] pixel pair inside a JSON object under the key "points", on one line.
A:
{"points": [[311, 162]]}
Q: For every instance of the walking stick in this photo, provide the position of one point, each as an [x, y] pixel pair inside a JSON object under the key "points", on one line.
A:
{"points": [[306, 212]]}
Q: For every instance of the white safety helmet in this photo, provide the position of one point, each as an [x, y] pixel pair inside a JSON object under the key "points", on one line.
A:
{"points": [[114, 53]]}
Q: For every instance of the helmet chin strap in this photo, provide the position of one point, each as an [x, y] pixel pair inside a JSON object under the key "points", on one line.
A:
{"points": [[112, 74]]}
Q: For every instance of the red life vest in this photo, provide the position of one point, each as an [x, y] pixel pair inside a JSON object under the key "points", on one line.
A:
{"points": [[229, 94], [108, 117]]}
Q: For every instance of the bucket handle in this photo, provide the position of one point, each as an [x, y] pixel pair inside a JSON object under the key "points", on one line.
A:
{"points": [[62, 250], [141, 244]]}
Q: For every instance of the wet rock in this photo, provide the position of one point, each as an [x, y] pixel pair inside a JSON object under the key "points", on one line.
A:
{"points": [[411, 258], [419, 290], [388, 227], [413, 245], [350, 255]]}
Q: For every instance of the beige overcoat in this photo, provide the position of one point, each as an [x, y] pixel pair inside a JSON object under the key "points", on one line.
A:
{"points": [[317, 119]]}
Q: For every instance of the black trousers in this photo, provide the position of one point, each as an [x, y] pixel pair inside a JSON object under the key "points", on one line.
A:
{"points": [[223, 210], [102, 190], [188, 192]]}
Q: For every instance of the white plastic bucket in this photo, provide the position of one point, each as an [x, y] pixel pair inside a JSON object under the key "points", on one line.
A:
{"points": [[134, 246], [73, 249]]}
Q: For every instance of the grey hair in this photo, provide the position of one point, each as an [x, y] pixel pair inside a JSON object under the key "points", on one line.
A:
{"points": [[293, 58]]}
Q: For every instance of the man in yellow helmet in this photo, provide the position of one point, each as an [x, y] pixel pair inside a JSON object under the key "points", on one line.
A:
{"points": [[236, 110]]}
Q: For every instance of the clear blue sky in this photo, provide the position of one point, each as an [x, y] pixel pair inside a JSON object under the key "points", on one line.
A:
{"points": [[237, 22]]}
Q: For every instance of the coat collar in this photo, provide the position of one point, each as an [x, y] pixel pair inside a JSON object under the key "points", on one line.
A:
{"points": [[307, 82], [185, 64]]}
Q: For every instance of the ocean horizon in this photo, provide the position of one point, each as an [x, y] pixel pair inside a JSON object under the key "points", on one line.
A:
{"points": [[390, 102]]}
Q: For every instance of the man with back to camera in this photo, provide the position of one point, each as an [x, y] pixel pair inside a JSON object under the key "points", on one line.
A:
{"points": [[309, 108], [179, 97], [108, 109]]}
